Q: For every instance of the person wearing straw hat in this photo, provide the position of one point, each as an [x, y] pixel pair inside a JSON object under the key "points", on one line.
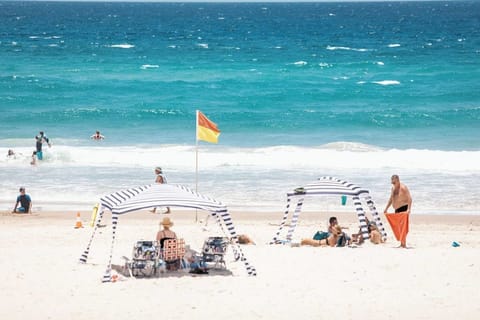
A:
{"points": [[160, 178], [165, 233]]}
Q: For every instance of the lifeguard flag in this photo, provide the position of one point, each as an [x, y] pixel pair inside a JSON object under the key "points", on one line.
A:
{"points": [[206, 129]]}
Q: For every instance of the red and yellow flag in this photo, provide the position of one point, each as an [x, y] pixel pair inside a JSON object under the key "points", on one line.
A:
{"points": [[206, 129]]}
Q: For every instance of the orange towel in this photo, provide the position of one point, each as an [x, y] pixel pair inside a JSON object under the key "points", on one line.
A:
{"points": [[399, 224]]}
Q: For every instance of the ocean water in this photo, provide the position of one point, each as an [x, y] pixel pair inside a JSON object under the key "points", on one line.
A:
{"points": [[359, 91]]}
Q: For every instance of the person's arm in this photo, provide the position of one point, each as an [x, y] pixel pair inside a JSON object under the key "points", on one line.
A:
{"points": [[47, 141], [389, 202], [16, 205], [409, 200]]}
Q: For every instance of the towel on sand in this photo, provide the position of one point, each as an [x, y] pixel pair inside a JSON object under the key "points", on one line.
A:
{"points": [[399, 224]]}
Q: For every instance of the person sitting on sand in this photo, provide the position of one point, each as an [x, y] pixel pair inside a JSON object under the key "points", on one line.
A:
{"points": [[344, 239], [373, 232], [97, 136], [25, 203], [375, 235], [330, 241], [165, 233]]}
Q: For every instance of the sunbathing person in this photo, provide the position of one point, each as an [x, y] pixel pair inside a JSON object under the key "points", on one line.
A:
{"points": [[165, 233], [330, 241]]}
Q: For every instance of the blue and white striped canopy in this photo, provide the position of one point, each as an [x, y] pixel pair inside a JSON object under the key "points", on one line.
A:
{"points": [[329, 186], [159, 195], [163, 195]]}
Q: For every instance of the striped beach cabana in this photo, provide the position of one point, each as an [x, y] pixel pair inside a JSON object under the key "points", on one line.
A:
{"points": [[163, 195], [328, 186]]}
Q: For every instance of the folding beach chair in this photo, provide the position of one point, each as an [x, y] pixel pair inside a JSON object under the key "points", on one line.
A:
{"points": [[213, 252], [172, 253], [145, 258]]}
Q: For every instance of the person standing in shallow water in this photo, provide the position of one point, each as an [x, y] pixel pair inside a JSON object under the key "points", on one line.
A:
{"points": [[41, 138], [160, 178], [401, 201]]}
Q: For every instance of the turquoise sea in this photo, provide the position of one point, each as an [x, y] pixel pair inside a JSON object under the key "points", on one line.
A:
{"points": [[359, 91]]}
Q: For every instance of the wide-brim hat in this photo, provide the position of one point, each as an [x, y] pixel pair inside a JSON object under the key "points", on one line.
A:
{"points": [[166, 222]]}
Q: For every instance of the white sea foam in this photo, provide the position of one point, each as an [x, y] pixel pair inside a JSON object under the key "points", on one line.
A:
{"points": [[380, 63], [387, 82], [80, 175], [202, 45], [122, 46], [394, 45], [333, 155], [149, 66], [300, 63], [324, 65], [347, 48]]}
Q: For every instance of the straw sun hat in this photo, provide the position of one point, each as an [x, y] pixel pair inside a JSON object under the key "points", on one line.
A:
{"points": [[166, 222]]}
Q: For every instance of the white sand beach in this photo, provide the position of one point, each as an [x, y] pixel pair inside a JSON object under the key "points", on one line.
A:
{"points": [[40, 277]]}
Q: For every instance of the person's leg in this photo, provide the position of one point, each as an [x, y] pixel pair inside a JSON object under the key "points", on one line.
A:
{"points": [[310, 242]]}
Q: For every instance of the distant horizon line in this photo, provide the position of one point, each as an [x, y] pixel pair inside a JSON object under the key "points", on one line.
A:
{"points": [[235, 1]]}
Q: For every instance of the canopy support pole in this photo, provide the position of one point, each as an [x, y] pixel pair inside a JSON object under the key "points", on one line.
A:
{"points": [[107, 277], [361, 217], [376, 217], [293, 223], [282, 223], [84, 256]]}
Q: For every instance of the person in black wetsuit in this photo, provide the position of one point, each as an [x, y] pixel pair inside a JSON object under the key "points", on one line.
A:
{"points": [[40, 139]]}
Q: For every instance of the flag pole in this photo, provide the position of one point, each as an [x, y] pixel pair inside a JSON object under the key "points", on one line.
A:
{"points": [[196, 161]]}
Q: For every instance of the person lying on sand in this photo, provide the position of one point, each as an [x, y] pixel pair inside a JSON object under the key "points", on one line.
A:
{"points": [[330, 241]]}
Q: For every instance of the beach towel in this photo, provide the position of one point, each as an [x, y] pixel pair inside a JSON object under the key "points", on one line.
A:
{"points": [[399, 224]]}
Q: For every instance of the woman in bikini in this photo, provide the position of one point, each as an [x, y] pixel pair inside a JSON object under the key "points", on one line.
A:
{"points": [[330, 241]]}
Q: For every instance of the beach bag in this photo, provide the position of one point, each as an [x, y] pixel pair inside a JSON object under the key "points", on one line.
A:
{"points": [[320, 235]]}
